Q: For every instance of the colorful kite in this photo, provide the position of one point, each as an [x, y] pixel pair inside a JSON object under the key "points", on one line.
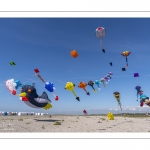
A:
{"points": [[48, 85], [85, 112], [126, 54], [74, 53], [30, 97], [98, 83], [110, 116], [91, 83], [117, 96], [70, 86], [37, 74], [138, 88], [143, 99], [83, 85], [100, 33], [13, 85], [110, 73], [102, 80], [106, 79], [12, 63]]}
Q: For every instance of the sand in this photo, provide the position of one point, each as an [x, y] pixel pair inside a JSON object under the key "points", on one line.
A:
{"points": [[73, 124]]}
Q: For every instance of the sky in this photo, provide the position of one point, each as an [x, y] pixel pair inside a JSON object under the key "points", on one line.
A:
{"points": [[46, 43]]}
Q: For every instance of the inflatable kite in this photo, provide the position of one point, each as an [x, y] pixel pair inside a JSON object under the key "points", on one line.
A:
{"points": [[143, 99], [74, 53], [110, 74], [98, 83], [37, 74], [138, 88], [70, 86], [10, 85], [85, 112], [110, 116], [12, 63], [126, 54], [117, 96], [100, 33], [13, 85], [83, 85], [102, 80], [30, 97], [91, 83], [106, 79], [48, 85]]}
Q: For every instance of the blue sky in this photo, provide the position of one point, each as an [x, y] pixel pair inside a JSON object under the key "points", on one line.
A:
{"points": [[45, 43]]}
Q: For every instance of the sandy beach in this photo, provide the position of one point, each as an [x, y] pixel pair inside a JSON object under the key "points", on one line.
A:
{"points": [[73, 124]]}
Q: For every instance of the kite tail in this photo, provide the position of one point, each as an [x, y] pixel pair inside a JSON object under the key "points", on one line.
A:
{"points": [[93, 89], [99, 88], [126, 62], [101, 43], [74, 93], [104, 84], [40, 77], [119, 104], [85, 90], [53, 94]]}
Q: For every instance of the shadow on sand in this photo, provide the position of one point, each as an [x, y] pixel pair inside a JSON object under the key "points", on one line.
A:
{"points": [[46, 120]]}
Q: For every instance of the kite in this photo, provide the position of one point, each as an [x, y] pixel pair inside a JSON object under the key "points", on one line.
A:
{"points": [[91, 83], [103, 81], [85, 112], [30, 97], [70, 86], [126, 54], [123, 69], [110, 63], [74, 53], [143, 99], [117, 96], [110, 73], [100, 33], [13, 85], [83, 86], [136, 75], [98, 83], [138, 88], [106, 79], [48, 85], [37, 71], [12, 63], [110, 116]]}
